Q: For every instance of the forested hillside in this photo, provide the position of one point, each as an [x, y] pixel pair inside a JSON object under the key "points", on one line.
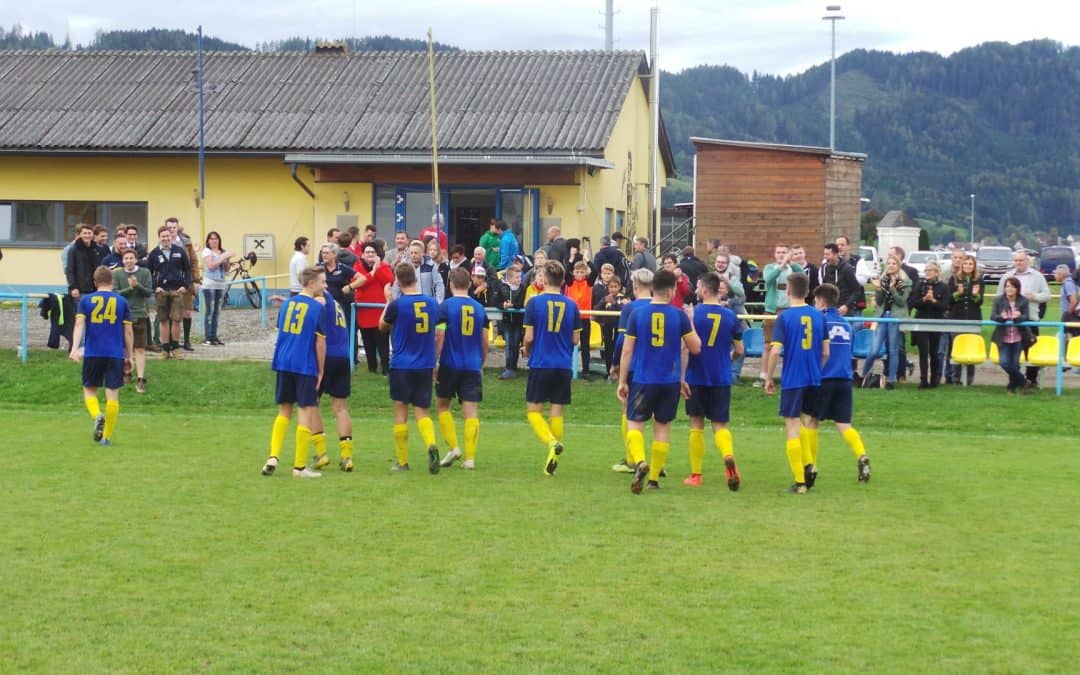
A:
{"points": [[1001, 121], [998, 120]]}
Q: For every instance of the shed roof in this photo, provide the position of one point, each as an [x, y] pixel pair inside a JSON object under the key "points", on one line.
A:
{"points": [[804, 149], [535, 103]]}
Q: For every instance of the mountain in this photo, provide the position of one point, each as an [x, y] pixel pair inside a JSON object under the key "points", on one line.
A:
{"points": [[997, 120]]}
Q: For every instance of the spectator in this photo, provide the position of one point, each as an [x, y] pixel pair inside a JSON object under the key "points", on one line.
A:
{"points": [[192, 291], [457, 257], [1033, 287], [437, 255], [216, 261], [643, 257], [297, 263], [491, 242], [733, 296], [534, 280], [580, 291], [171, 270], [508, 246], [613, 300], [931, 302], [965, 304], [354, 242], [344, 254], [371, 233], [513, 298], [101, 241], [338, 277], [609, 254], [692, 266], [132, 234], [599, 287], [798, 257], [847, 254], [1070, 298], [891, 291], [82, 260], [436, 229], [373, 275], [682, 284], [428, 279], [400, 253], [1011, 307], [485, 290], [114, 259], [776, 298], [712, 247], [480, 258], [734, 261], [833, 271], [556, 247], [913, 275], [134, 284]]}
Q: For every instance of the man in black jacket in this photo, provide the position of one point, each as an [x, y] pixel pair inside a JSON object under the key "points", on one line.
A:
{"points": [[834, 271], [610, 254], [171, 270], [692, 266], [81, 263]]}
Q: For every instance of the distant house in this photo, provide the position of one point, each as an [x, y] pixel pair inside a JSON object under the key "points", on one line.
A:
{"points": [[297, 143], [757, 195]]}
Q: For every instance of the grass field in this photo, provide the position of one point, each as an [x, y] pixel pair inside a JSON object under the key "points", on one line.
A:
{"points": [[169, 552]]}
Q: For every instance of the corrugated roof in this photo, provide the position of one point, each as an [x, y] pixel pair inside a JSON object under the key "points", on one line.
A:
{"points": [[756, 145], [488, 102]]}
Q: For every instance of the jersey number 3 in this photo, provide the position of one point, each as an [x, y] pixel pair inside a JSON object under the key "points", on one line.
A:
{"points": [[807, 333]]}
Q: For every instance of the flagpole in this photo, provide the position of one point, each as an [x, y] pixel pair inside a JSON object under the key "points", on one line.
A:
{"points": [[434, 137]]}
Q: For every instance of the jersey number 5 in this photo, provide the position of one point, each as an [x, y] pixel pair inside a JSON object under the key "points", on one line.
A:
{"points": [[421, 319], [103, 311], [808, 335]]}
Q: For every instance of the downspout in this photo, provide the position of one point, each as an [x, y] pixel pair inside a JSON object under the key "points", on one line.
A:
{"points": [[299, 182]]}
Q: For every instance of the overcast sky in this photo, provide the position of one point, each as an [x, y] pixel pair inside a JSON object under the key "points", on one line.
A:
{"points": [[770, 36]]}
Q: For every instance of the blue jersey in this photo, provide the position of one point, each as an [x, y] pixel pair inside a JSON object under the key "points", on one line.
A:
{"points": [[658, 330], [554, 319], [718, 328], [462, 321], [801, 331], [840, 333], [335, 326], [298, 325], [413, 319], [105, 314], [624, 319]]}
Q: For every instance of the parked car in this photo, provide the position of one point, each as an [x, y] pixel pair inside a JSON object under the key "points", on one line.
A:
{"points": [[918, 260], [994, 261], [869, 265], [1052, 256]]}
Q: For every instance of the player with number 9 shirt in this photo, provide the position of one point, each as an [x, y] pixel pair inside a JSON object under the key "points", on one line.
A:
{"points": [[552, 328]]}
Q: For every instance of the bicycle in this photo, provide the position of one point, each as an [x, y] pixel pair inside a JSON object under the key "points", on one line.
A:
{"points": [[241, 271]]}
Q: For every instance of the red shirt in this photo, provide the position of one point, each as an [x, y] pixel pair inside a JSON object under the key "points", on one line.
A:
{"points": [[372, 291], [431, 231], [682, 290], [581, 293]]}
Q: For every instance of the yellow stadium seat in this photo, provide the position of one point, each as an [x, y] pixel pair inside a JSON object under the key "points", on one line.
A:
{"points": [[1044, 352], [994, 357], [1072, 353], [494, 339], [596, 340], [968, 349]]}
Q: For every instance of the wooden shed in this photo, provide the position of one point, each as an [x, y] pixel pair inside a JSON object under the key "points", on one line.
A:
{"points": [[756, 195]]}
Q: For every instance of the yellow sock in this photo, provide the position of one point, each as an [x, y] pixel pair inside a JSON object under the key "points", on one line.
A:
{"points": [[93, 406], [812, 444], [303, 443], [112, 411], [472, 437], [724, 443], [448, 429], [540, 427], [659, 456], [427, 431], [626, 447], [635, 443], [804, 444], [401, 443], [853, 439], [697, 450], [277, 436], [557, 427], [319, 440], [345, 444], [794, 458]]}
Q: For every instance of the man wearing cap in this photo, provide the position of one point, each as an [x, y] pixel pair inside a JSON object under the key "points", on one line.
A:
{"points": [[610, 254], [483, 290], [480, 258]]}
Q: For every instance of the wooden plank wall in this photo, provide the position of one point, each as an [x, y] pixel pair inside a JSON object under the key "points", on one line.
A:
{"points": [[755, 198], [843, 189]]}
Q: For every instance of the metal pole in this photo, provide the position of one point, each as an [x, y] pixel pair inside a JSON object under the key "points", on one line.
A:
{"points": [[654, 93], [434, 136], [972, 218], [832, 91], [202, 143], [24, 341], [609, 26]]}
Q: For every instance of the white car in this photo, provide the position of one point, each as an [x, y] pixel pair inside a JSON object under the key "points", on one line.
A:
{"points": [[918, 260], [869, 266]]}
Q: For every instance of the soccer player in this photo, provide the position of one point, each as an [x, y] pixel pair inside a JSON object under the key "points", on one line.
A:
{"points": [[641, 281], [708, 377], [653, 345], [337, 382], [800, 332], [299, 361], [462, 346], [833, 400], [410, 320], [552, 328], [104, 319]]}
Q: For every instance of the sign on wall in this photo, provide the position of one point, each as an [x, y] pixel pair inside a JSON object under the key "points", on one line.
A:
{"points": [[261, 245]]}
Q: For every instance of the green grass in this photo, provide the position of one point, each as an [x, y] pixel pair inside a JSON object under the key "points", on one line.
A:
{"points": [[170, 552]]}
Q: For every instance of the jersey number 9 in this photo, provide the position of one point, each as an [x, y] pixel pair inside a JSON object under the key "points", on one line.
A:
{"points": [[657, 330]]}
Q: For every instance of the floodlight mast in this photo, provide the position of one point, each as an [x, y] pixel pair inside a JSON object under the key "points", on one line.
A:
{"points": [[833, 17]]}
